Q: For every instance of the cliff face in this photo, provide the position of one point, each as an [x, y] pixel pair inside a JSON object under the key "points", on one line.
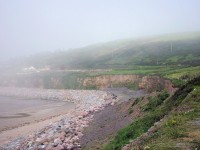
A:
{"points": [[134, 82], [106, 81], [149, 83], [156, 83]]}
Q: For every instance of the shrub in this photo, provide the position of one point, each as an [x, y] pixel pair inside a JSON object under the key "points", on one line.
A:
{"points": [[156, 101]]}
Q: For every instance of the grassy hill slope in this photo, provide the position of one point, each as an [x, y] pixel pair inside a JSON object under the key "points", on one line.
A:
{"points": [[169, 49], [172, 56], [167, 123]]}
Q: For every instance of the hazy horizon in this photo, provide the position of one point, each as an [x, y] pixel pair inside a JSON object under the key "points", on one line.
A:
{"points": [[28, 27]]}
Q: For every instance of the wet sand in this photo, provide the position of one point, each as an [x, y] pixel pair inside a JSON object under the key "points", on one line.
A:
{"points": [[20, 116], [49, 121]]}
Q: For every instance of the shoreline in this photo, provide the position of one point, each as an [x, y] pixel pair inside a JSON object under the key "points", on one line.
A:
{"points": [[66, 132], [10, 134], [17, 112]]}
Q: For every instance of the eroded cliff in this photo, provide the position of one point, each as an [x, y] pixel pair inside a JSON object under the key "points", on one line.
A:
{"points": [[149, 83]]}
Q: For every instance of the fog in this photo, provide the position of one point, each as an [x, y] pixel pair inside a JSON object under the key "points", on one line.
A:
{"points": [[28, 27]]}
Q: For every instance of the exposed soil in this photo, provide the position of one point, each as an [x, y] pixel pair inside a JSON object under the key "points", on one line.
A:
{"points": [[107, 122], [124, 94], [149, 83]]}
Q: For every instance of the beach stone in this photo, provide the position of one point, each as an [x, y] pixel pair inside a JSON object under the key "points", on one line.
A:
{"points": [[57, 141], [63, 134], [41, 147], [67, 131], [80, 117], [67, 139], [60, 147], [62, 138], [40, 140], [56, 135]]}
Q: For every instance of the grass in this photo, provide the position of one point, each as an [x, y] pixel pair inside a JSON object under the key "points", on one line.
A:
{"points": [[138, 70], [133, 131], [144, 56], [151, 51], [174, 58], [135, 101], [130, 111], [179, 75], [141, 125], [156, 101], [178, 128]]}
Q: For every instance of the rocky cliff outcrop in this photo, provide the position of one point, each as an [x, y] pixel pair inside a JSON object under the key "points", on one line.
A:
{"points": [[156, 83], [149, 83], [134, 82], [107, 81]]}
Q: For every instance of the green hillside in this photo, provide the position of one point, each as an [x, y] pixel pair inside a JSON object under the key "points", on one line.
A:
{"points": [[172, 56], [169, 49]]}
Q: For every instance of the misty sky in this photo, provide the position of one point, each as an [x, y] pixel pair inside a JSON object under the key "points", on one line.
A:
{"points": [[32, 26]]}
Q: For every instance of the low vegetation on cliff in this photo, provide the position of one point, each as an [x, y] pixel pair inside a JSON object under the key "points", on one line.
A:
{"points": [[181, 112]]}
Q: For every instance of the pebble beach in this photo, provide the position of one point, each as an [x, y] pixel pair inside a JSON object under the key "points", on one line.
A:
{"points": [[65, 133]]}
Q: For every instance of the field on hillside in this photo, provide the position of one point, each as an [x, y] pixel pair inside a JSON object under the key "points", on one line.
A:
{"points": [[163, 50], [172, 56], [172, 49], [179, 75]]}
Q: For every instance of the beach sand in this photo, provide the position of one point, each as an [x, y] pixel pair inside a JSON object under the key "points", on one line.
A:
{"points": [[21, 116]]}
